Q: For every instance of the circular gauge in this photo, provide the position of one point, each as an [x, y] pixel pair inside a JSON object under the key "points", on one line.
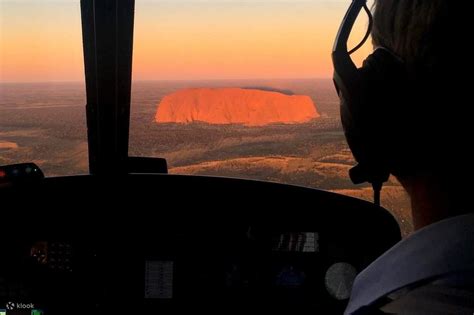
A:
{"points": [[339, 279]]}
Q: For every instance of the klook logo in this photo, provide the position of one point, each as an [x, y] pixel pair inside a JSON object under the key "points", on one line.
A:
{"points": [[19, 306], [10, 306]]}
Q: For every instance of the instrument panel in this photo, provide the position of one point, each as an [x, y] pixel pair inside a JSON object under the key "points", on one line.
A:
{"points": [[157, 256]]}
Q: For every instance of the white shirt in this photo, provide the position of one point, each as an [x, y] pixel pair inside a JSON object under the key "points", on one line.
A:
{"points": [[443, 250]]}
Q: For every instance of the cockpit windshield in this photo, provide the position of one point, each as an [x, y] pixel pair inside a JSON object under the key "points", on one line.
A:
{"points": [[42, 91], [220, 87], [243, 89]]}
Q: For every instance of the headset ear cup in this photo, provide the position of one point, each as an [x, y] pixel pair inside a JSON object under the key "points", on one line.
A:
{"points": [[369, 120]]}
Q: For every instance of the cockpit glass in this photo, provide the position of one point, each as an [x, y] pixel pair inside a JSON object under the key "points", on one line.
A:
{"points": [[244, 89], [237, 88], [42, 93]]}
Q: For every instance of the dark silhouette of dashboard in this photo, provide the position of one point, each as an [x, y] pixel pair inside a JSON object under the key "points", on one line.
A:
{"points": [[149, 244]]}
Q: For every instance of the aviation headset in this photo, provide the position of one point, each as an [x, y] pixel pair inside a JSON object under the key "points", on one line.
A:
{"points": [[368, 98]]}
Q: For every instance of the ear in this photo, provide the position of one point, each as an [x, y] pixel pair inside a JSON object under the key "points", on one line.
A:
{"points": [[366, 117]]}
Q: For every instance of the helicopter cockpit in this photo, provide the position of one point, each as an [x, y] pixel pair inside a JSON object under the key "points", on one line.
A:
{"points": [[133, 237]]}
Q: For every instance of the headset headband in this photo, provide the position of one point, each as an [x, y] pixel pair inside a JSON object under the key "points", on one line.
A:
{"points": [[345, 71]]}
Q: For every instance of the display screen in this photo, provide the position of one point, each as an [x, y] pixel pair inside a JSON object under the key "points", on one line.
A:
{"points": [[158, 279], [299, 242]]}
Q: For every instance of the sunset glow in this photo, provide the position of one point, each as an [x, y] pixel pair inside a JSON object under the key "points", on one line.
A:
{"points": [[40, 41], [180, 40]]}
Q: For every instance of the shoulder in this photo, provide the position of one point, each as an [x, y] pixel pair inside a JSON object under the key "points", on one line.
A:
{"points": [[443, 251]]}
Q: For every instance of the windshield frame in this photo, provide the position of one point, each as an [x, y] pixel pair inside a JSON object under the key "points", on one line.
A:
{"points": [[107, 30]]}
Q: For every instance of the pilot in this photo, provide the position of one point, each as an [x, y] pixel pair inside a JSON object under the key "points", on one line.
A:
{"points": [[417, 118]]}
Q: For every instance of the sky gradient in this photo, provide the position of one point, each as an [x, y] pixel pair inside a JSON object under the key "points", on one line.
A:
{"points": [[180, 39]]}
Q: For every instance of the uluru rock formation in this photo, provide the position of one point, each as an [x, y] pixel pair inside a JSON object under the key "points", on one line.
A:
{"points": [[251, 107]]}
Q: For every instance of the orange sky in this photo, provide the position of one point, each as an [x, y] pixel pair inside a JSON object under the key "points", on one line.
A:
{"points": [[40, 41], [179, 39]]}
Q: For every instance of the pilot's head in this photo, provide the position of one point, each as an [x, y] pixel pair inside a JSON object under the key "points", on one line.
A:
{"points": [[419, 31], [409, 114]]}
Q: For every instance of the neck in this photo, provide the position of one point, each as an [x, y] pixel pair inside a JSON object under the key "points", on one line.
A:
{"points": [[430, 201]]}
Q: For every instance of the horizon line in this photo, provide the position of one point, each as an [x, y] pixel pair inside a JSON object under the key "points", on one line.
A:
{"points": [[171, 80]]}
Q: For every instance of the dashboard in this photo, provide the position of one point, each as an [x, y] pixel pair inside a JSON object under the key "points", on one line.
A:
{"points": [[149, 244]]}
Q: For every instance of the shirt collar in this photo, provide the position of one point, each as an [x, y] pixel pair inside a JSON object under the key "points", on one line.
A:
{"points": [[440, 248]]}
